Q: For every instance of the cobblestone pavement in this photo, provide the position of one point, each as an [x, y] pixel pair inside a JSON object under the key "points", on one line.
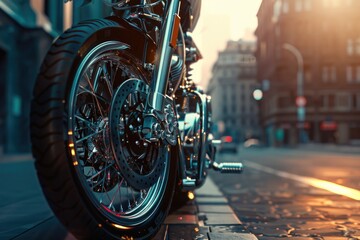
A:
{"points": [[268, 206], [25, 214], [272, 207]]}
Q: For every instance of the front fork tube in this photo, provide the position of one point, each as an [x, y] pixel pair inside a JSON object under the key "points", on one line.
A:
{"points": [[159, 82]]}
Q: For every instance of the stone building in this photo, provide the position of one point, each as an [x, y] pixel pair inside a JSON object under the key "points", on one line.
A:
{"points": [[22, 43], [327, 36], [235, 111], [27, 29]]}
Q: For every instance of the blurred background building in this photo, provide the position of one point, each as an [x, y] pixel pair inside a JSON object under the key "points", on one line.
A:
{"points": [[27, 29], [235, 111], [326, 35]]}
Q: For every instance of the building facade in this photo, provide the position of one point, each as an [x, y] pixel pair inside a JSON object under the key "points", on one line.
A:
{"points": [[327, 36], [27, 28], [235, 111], [22, 43]]}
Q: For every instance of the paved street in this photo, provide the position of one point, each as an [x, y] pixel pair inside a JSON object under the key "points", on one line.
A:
{"points": [[280, 193], [25, 214]]}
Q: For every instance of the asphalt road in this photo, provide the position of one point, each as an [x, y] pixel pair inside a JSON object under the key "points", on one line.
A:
{"points": [[295, 193], [281, 194]]}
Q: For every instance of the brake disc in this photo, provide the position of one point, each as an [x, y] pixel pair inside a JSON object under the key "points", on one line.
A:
{"points": [[141, 163]]}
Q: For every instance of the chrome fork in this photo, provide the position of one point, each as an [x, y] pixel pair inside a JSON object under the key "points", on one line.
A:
{"points": [[159, 81]]}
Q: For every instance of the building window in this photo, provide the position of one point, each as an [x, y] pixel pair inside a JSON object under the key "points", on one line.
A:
{"points": [[325, 74], [322, 100], [350, 47], [349, 74], [343, 101], [329, 74], [331, 101], [354, 101], [333, 74], [307, 74], [263, 49], [298, 5], [357, 46], [357, 73], [233, 108], [307, 5], [285, 6], [353, 46], [276, 10]]}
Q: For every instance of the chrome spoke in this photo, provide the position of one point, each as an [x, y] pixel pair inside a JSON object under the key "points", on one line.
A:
{"points": [[105, 183], [86, 121], [89, 136], [104, 192], [120, 199], [113, 198], [94, 93], [107, 80], [98, 173], [97, 96], [98, 73]]}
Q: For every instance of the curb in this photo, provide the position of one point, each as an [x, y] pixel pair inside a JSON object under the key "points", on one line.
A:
{"points": [[215, 213]]}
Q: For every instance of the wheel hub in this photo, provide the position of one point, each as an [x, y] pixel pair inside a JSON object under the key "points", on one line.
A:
{"points": [[141, 163]]}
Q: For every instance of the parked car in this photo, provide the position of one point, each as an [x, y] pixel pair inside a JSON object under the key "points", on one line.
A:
{"points": [[252, 143], [228, 145]]}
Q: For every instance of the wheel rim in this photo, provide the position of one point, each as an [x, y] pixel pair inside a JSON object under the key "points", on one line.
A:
{"points": [[100, 73]]}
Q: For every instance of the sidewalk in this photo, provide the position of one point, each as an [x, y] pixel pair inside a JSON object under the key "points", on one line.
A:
{"points": [[25, 214], [330, 148], [11, 158], [216, 215], [14, 157]]}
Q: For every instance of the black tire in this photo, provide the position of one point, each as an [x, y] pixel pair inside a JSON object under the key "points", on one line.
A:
{"points": [[180, 199], [50, 140]]}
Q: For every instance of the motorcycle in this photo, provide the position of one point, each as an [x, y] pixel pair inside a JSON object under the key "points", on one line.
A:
{"points": [[118, 128]]}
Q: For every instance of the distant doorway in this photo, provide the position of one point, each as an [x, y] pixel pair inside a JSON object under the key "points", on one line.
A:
{"points": [[3, 68]]}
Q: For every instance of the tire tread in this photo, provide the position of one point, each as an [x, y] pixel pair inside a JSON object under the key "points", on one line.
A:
{"points": [[47, 138]]}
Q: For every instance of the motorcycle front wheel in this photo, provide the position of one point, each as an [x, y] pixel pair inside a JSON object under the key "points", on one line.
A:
{"points": [[81, 173]]}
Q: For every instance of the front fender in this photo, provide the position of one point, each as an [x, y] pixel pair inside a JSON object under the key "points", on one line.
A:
{"points": [[142, 45]]}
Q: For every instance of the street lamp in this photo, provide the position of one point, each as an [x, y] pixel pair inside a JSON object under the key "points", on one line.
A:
{"points": [[257, 94], [300, 99]]}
